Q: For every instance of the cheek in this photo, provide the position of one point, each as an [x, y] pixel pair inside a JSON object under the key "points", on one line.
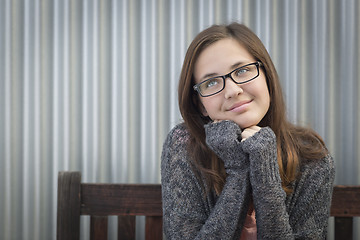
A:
{"points": [[260, 89], [203, 110], [264, 94], [211, 107], [266, 97]]}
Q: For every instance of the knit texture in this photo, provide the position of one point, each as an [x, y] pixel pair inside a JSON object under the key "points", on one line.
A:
{"points": [[252, 169]]}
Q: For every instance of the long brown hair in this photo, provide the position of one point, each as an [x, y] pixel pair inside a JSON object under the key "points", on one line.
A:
{"points": [[293, 143]]}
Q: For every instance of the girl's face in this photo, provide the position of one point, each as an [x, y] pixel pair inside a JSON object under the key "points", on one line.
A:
{"points": [[246, 104]]}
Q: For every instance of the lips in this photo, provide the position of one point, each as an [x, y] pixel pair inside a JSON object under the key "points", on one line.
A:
{"points": [[239, 106]]}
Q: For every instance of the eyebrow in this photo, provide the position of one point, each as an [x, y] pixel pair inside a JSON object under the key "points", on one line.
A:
{"points": [[232, 67]]}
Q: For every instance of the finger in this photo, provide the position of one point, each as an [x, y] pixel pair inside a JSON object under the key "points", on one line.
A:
{"points": [[248, 132], [255, 128]]}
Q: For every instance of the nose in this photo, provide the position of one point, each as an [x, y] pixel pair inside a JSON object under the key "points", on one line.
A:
{"points": [[231, 88]]}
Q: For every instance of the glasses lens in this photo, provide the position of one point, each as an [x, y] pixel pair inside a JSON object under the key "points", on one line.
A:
{"points": [[211, 86], [245, 73]]}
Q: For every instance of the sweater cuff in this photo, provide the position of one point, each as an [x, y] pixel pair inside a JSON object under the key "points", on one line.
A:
{"points": [[262, 150]]}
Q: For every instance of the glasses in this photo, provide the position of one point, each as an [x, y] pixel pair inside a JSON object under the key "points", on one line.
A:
{"points": [[240, 75]]}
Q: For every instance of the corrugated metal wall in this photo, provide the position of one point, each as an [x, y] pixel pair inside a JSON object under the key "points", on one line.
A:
{"points": [[92, 86]]}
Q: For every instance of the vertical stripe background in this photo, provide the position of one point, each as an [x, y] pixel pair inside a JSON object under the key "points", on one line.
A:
{"points": [[91, 86]]}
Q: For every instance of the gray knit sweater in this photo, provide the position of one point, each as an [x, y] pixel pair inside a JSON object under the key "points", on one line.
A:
{"points": [[252, 168]]}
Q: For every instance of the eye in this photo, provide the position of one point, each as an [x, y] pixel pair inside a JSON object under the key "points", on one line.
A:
{"points": [[211, 83], [241, 71]]}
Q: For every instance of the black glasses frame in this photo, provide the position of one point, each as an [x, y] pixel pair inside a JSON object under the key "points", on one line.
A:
{"points": [[224, 77]]}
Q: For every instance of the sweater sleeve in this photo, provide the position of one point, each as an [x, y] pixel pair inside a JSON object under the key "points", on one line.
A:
{"points": [[187, 215], [305, 215]]}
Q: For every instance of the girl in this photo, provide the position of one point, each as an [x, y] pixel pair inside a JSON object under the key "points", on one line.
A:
{"points": [[236, 168]]}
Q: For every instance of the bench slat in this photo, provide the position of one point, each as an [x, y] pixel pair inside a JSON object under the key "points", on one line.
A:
{"points": [[98, 227], [126, 227], [153, 227], [343, 228]]}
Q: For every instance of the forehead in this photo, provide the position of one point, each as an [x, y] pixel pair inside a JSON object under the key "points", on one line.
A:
{"points": [[218, 58]]}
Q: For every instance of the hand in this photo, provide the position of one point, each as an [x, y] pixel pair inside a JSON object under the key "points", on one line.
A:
{"points": [[248, 132], [223, 137]]}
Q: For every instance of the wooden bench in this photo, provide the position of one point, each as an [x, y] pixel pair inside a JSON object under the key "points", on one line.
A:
{"points": [[345, 205], [129, 200], [101, 200]]}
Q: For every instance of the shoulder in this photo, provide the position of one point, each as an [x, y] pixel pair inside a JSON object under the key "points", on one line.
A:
{"points": [[326, 163], [178, 135], [314, 177], [175, 147], [176, 165], [319, 171], [316, 166]]}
